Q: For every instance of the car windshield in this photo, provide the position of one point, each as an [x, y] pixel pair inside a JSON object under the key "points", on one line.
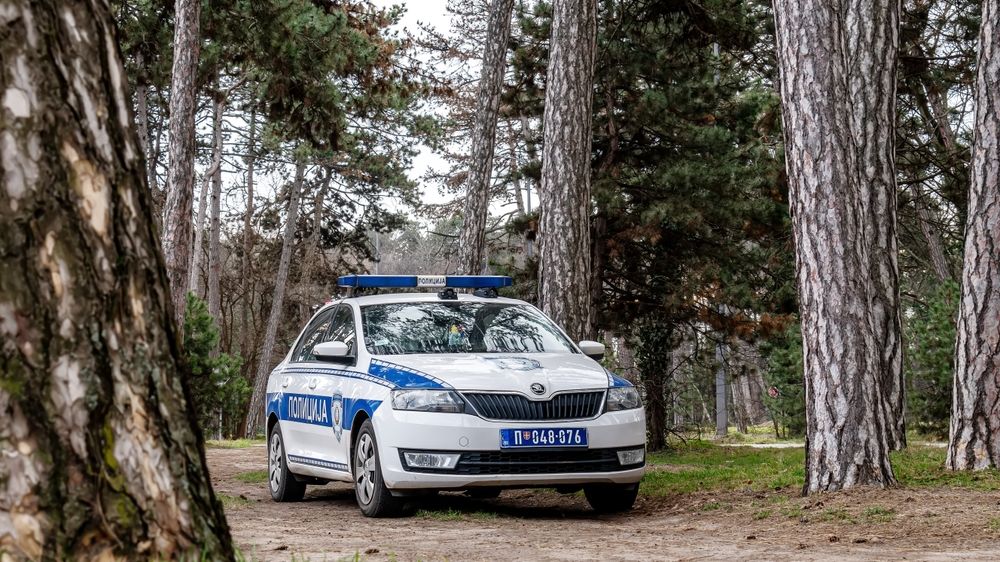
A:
{"points": [[459, 327]]}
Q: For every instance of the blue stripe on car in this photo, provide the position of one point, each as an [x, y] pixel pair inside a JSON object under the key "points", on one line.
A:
{"points": [[354, 405], [316, 409], [614, 381], [404, 377]]}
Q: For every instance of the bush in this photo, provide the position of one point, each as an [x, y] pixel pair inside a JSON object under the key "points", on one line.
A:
{"points": [[786, 393], [219, 391], [931, 343]]}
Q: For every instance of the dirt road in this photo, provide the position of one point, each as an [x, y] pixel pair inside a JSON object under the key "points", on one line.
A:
{"points": [[909, 524]]}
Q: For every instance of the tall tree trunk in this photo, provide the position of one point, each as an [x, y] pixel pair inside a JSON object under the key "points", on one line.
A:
{"points": [[564, 263], [215, 223], [247, 269], [721, 413], [255, 416], [838, 72], [974, 441], [142, 119], [100, 454], [180, 185], [935, 115], [194, 269], [932, 235], [472, 238]]}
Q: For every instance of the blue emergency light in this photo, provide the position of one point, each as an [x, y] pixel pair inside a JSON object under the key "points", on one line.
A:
{"points": [[428, 281]]}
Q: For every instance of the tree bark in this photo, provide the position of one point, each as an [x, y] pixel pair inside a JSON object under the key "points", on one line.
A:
{"points": [[838, 72], [721, 411], [100, 455], [255, 416], [215, 224], [247, 270], [180, 185], [194, 269], [472, 238], [974, 441], [564, 261]]}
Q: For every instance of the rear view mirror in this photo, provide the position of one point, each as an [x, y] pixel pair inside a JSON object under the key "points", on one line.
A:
{"points": [[332, 352], [592, 349]]}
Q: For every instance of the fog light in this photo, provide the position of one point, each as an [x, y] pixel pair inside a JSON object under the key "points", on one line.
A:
{"points": [[432, 460], [631, 456]]}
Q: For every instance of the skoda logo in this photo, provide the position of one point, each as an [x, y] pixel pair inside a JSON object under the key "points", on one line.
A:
{"points": [[537, 388]]}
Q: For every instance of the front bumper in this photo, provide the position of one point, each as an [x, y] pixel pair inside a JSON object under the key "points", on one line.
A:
{"points": [[483, 464]]}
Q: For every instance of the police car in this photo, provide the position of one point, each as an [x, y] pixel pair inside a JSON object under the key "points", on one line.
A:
{"points": [[409, 393]]}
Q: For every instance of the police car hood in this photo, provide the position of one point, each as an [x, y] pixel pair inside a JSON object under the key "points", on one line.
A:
{"points": [[556, 372]]}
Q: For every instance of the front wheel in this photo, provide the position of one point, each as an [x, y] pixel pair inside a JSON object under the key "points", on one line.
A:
{"points": [[282, 483], [611, 498], [373, 497]]}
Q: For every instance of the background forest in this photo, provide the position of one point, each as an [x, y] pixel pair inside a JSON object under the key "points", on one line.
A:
{"points": [[301, 178]]}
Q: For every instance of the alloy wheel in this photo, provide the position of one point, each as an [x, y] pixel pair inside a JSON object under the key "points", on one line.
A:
{"points": [[364, 469]]}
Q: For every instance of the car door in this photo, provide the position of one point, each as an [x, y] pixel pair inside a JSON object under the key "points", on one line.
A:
{"points": [[338, 387], [300, 412]]}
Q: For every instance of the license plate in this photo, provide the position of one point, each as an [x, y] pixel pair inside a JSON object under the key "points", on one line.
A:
{"points": [[556, 437]]}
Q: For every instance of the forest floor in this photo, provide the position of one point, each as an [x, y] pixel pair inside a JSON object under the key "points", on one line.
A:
{"points": [[698, 502]]}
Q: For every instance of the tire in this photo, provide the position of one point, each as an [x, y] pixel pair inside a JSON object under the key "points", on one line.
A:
{"points": [[372, 495], [611, 498], [282, 483]]}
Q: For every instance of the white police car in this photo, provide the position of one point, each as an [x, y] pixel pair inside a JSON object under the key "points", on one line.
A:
{"points": [[409, 393]]}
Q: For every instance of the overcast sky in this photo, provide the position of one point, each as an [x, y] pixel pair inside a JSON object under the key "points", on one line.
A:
{"points": [[434, 13]]}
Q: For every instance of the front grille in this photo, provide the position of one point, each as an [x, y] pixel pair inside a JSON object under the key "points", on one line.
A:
{"points": [[533, 462], [515, 407]]}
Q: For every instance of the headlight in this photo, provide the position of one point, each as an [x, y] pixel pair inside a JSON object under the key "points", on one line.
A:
{"points": [[428, 401], [622, 398]]}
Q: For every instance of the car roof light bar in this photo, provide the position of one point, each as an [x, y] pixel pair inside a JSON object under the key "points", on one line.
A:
{"points": [[418, 281]]}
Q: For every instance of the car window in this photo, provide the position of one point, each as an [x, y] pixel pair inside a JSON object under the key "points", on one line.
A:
{"points": [[342, 327], [459, 327], [313, 334]]}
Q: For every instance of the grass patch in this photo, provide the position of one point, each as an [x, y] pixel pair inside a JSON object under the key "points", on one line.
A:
{"points": [[452, 514], [234, 502], [711, 506], [252, 477], [709, 467], [762, 514], [705, 466], [994, 524], [792, 512], [838, 515], [449, 514], [233, 443], [878, 514], [923, 467]]}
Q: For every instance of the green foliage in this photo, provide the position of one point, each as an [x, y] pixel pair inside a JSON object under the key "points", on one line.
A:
{"points": [[216, 385], [931, 347], [785, 376], [690, 204]]}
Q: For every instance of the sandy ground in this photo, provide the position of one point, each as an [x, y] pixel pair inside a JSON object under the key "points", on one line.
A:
{"points": [[900, 524]]}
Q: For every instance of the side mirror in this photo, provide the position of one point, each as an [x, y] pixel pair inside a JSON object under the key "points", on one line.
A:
{"points": [[592, 349], [332, 352]]}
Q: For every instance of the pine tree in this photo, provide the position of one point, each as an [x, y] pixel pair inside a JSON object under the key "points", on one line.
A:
{"points": [[975, 422], [839, 114], [100, 452]]}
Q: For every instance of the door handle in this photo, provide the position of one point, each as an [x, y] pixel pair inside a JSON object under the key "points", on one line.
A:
{"points": [[286, 382], [312, 384]]}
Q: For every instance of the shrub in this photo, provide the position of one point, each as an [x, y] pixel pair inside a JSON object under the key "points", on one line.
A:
{"points": [[219, 391], [931, 346]]}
